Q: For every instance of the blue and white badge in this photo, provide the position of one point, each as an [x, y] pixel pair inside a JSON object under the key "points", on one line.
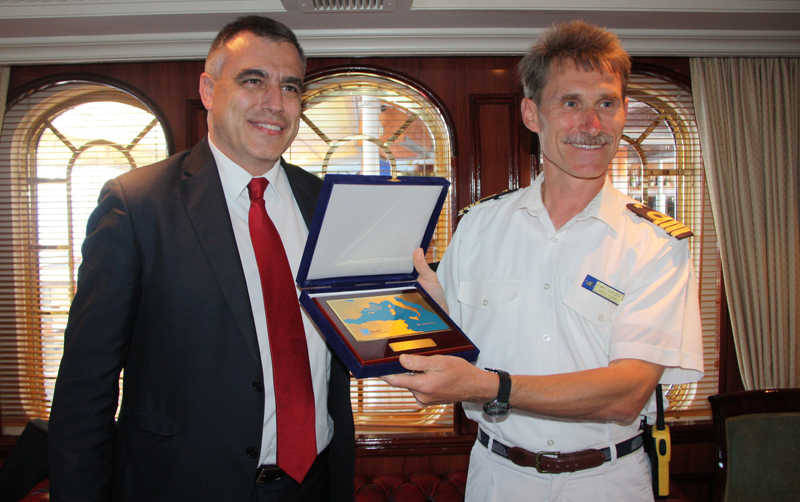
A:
{"points": [[602, 289]]}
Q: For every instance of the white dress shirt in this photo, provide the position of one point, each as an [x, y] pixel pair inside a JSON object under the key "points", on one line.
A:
{"points": [[285, 214]]}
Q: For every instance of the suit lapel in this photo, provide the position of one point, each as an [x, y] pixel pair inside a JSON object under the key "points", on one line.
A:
{"points": [[201, 192]]}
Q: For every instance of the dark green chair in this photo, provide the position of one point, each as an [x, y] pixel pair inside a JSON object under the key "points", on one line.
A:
{"points": [[757, 440]]}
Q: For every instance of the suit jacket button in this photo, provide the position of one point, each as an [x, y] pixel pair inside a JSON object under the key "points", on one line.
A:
{"points": [[258, 385], [252, 451]]}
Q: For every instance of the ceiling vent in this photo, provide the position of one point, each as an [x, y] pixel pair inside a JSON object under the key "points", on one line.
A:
{"points": [[346, 5]]}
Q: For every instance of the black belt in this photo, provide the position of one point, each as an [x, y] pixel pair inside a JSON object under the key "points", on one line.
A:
{"points": [[555, 462], [267, 473]]}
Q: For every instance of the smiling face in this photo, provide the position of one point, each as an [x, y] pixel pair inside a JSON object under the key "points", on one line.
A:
{"points": [[253, 100], [579, 121]]}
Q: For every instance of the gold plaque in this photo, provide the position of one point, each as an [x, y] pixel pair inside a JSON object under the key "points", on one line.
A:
{"points": [[421, 343]]}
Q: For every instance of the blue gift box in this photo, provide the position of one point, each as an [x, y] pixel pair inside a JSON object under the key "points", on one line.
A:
{"points": [[357, 276]]}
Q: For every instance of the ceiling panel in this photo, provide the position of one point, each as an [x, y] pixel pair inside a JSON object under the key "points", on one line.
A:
{"points": [[46, 31]]}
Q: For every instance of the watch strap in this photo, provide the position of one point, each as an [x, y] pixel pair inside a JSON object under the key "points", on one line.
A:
{"points": [[504, 389]]}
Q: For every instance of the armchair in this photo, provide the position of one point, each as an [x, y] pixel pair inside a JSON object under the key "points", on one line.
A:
{"points": [[757, 442]]}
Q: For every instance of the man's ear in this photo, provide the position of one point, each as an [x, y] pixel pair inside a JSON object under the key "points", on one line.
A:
{"points": [[530, 114], [206, 88]]}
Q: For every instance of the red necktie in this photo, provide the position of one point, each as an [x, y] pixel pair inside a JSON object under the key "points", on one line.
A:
{"points": [[294, 396]]}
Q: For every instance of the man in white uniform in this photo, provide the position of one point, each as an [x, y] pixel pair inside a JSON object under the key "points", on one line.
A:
{"points": [[579, 305]]}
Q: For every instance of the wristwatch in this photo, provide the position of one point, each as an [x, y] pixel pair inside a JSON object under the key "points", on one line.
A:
{"points": [[499, 406]]}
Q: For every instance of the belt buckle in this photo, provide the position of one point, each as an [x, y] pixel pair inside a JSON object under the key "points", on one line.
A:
{"points": [[268, 473], [538, 458]]}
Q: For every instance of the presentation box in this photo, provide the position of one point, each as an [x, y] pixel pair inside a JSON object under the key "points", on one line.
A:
{"points": [[357, 276]]}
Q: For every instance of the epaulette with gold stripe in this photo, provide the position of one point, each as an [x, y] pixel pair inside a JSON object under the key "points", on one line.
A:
{"points": [[465, 210], [670, 225]]}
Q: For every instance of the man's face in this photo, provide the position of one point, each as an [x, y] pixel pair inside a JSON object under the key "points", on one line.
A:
{"points": [[579, 120], [253, 101]]}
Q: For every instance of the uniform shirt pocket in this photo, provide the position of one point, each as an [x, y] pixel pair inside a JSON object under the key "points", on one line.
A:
{"points": [[590, 306], [493, 295]]}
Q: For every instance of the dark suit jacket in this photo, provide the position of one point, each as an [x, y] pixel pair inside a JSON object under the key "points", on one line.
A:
{"points": [[161, 294]]}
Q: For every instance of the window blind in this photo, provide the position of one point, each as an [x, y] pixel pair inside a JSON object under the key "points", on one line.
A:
{"points": [[660, 164], [59, 145]]}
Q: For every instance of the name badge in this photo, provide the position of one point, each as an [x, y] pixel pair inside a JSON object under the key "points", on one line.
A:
{"points": [[602, 289]]}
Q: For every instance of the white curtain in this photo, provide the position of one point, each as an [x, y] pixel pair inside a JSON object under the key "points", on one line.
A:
{"points": [[748, 110]]}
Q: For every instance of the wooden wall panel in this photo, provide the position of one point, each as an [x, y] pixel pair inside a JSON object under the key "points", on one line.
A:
{"points": [[196, 124], [495, 143]]}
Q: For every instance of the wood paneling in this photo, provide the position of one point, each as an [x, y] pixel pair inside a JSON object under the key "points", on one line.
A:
{"points": [[692, 463], [196, 124], [494, 129]]}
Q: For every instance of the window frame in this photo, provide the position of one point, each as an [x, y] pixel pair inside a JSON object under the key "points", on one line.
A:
{"points": [[24, 227]]}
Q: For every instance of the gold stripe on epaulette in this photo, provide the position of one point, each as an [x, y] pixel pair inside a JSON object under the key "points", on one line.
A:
{"points": [[670, 225], [465, 210]]}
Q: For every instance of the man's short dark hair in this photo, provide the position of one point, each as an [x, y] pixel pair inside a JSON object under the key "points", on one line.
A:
{"points": [[258, 25], [587, 46]]}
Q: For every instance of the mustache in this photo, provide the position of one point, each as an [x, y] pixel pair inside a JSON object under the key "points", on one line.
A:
{"points": [[588, 139]]}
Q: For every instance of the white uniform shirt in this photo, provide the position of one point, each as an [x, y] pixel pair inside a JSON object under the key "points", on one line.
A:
{"points": [[514, 285], [285, 214]]}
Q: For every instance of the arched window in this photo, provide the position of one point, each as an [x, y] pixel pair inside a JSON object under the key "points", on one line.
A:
{"points": [[59, 145], [361, 122], [659, 163], [366, 122]]}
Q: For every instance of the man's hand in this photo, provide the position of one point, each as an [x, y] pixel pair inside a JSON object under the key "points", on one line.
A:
{"points": [[428, 280], [444, 379]]}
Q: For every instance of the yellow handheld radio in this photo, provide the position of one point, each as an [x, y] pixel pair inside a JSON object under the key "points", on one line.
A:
{"points": [[658, 447]]}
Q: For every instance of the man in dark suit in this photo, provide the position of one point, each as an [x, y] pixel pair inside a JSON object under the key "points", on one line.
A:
{"points": [[176, 289]]}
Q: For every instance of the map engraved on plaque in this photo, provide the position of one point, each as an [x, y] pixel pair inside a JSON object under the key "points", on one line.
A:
{"points": [[382, 317]]}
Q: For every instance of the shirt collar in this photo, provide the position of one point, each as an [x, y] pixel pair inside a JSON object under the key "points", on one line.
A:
{"points": [[531, 199], [604, 206], [234, 178]]}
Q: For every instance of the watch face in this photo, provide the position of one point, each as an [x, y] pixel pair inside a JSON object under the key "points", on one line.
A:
{"points": [[495, 408]]}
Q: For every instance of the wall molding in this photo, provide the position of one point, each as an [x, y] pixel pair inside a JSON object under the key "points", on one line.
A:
{"points": [[22, 9], [19, 9], [615, 5], [394, 42]]}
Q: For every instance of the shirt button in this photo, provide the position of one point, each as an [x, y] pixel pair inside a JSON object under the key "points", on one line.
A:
{"points": [[258, 385], [550, 442], [546, 285], [546, 338], [484, 302], [251, 451]]}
